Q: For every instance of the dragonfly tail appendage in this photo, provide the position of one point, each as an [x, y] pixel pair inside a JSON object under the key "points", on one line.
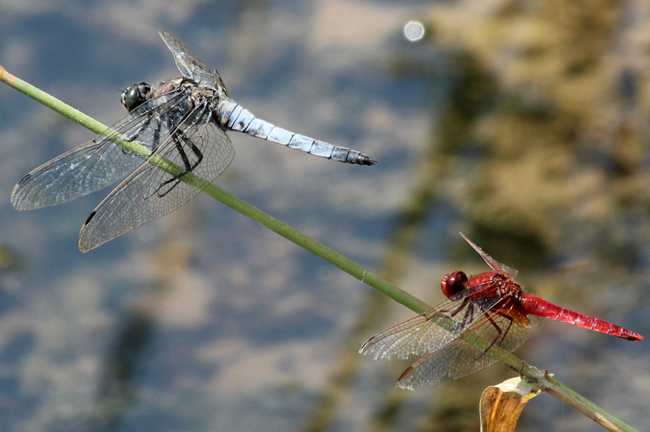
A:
{"points": [[540, 307], [237, 118]]}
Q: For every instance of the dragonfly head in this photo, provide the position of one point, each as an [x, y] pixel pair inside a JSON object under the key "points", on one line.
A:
{"points": [[135, 95], [454, 283]]}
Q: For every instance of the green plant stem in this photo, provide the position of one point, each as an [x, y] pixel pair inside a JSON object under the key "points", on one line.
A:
{"points": [[555, 388]]}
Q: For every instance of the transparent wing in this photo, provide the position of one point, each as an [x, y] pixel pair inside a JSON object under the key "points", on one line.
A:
{"points": [[494, 264], [190, 66], [505, 328], [96, 164], [430, 331], [150, 192]]}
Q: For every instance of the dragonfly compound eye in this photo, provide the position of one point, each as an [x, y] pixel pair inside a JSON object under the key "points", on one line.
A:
{"points": [[135, 95], [454, 283]]}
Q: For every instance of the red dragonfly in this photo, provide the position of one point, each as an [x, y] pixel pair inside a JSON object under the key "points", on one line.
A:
{"points": [[491, 308]]}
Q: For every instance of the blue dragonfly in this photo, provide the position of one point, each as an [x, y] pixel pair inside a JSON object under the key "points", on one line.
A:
{"points": [[183, 121]]}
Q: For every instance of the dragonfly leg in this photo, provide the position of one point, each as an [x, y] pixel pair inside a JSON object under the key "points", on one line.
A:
{"points": [[466, 319], [501, 334], [449, 314], [509, 318], [460, 308], [179, 138], [134, 136], [520, 370], [156, 138]]}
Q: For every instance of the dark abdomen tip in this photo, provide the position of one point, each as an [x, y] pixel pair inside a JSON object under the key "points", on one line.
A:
{"points": [[362, 159]]}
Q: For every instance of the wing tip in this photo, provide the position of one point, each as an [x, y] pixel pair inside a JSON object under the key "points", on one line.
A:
{"points": [[18, 201], [404, 385], [82, 242], [90, 216], [365, 345]]}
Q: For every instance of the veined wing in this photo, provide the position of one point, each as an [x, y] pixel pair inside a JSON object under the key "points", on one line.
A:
{"points": [[503, 328], [494, 264], [96, 164], [151, 192], [190, 66], [430, 331]]}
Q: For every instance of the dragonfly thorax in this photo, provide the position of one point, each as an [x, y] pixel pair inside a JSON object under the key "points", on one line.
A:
{"points": [[453, 283], [506, 286]]}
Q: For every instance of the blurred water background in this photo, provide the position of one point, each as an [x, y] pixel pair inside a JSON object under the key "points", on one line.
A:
{"points": [[523, 124]]}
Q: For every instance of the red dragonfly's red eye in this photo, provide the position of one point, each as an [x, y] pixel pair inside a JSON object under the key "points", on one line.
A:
{"points": [[454, 283]]}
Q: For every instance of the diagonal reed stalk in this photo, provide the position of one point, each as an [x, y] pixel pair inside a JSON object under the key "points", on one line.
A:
{"points": [[544, 382]]}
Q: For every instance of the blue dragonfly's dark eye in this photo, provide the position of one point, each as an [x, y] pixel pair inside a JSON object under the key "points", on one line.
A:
{"points": [[135, 95]]}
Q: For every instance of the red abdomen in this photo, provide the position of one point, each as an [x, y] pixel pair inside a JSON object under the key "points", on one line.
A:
{"points": [[534, 305]]}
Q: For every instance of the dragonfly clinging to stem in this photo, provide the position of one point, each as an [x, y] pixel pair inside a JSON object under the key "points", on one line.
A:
{"points": [[492, 308], [182, 121]]}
